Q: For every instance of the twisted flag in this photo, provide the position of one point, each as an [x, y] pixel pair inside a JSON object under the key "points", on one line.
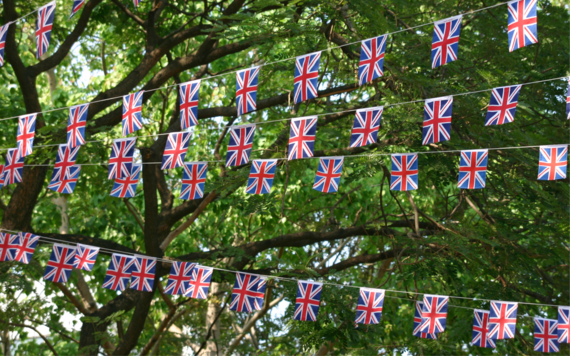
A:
{"points": [[445, 43], [199, 283], [481, 329], [77, 4], [64, 160], [66, 183], [564, 325], [13, 168], [418, 323], [3, 33], [8, 246]]}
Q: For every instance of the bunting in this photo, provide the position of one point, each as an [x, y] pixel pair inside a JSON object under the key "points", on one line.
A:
{"points": [[503, 105], [175, 150], [546, 335], [365, 127], [121, 159], [302, 137], [3, 33], [260, 296], [445, 43], [328, 175], [246, 90], [8, 246], [126, 187], [437, 120], [481, 329], [14, 167], [244, 293], [240, 145], [308, 300], [553, 162], [60, 263], [26, 248], [26, 134], [502, 320], [418, 323], [522, 23], [193, 180], [563, 325], [118, 273], [472, 169], [306, 76], [371, 65], [404, 175], [180, 276], [261, 176], [142, 271], [66, 185], [85, 257], [199, 283], [76, 125], [77, 4], [44, 26], [189, 94], [64, 160], [369, 307], [132, 112], [434, 314]]}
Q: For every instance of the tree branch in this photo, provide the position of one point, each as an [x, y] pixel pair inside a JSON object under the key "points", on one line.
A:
{"points": [[72, 298]]}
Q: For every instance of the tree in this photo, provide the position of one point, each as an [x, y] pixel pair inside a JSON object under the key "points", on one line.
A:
{"points": [[504, 242]]}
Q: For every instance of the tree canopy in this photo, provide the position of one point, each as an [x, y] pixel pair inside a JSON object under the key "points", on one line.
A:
{"points": [[508, 241]]}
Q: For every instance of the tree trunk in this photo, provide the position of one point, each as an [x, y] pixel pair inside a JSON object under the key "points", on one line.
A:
{"points": [[213, 348]]}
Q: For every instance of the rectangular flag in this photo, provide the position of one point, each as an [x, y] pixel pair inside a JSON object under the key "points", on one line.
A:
{"points": [[26, 134], [472, 169], [175, 150], [246, 90], [240, 145], [60, 263], [437, 120], [404, 175], [118, 272], [3, 33], [77, 4], [244, 293], [85, 257], [127, 187], [180, 276], [553, 162], [502, 320], [44, 26], [76, 125], [306, 77], [418, 323], [261, 176], [563, 325], [503, 105], [8, 246], [302, 137], [28, 243], [308, 300], [481, 329], [142, 273], [328, 174], [369, 307], [200, 283], [189, 95], [522, 24], [546, 335], [371, 65], [193, 180], [121, 159], [445, 43], [434, 314], [365, 127], [132, 112]]}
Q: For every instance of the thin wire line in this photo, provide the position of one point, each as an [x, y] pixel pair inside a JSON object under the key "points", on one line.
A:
{"points": [[170, 260], [319, 157], [265, 64], [389, 106]]}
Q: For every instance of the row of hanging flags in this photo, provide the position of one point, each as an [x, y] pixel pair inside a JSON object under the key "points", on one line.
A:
{"points": [[248, 294], [552, 165]]}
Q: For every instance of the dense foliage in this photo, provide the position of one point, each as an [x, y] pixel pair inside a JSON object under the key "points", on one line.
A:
{"points": [[508, 241]]}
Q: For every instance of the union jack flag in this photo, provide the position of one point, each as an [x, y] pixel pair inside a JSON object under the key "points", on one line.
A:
{"points": [[26, 133], [564, 325], [66, 185], [568, 102], [261, 176], [126, 187], [328, 174], [175, 150], [189, 93], [546, 335], [369, 307], [77, 4], [118, 272], [302, 137], [2, 181], [246, 90], [472, 169], [404, 174], [418, 323], [437, 120], [136, 2], [13, 168], [260, 292], [76, 125], [552, 163], [503, 105], [60, 263], [502, 320], [132, 112], [85, 257], [9, 245], [193, 180], [308, 300], [43, 28], [241, 142], [64, 160], [481, 329], [180, 275], [244, 293], [445, 43], [27, 247], [200, 283], [3, 33], [522, 24], [306, 77], [434, 314], [121, 160], [371, 64], [142, 273], [365, 127]]}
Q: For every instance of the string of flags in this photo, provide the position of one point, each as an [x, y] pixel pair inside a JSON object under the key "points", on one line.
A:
{"points": [[193, 280]]}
